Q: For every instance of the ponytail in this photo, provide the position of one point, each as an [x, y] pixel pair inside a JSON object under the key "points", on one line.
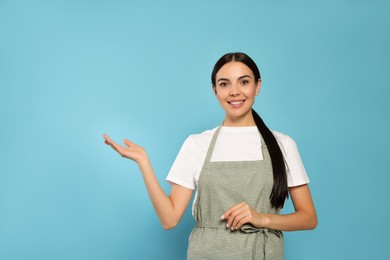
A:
{"points": [[279, 190]]}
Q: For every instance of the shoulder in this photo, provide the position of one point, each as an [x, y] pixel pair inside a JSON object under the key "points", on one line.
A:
{"points": [[200, 140], [285, 141], [205, 134], [296, 173]]}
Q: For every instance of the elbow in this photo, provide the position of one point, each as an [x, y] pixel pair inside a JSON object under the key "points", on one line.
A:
{"points": [[313, 223], [168, 226]]}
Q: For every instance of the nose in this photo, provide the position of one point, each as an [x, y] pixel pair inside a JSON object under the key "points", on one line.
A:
{"points": [[234, 91]]}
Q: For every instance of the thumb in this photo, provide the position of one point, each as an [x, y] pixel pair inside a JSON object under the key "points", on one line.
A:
{"points": [[127, 142]]}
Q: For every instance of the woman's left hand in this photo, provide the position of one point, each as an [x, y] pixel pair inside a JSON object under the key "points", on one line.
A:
{"points": [[242, 213]]}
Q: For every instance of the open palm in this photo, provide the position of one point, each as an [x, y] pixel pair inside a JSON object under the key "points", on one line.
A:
{"points": [[129, 150]]}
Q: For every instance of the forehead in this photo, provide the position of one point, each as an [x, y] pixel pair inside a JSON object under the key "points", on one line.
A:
{"points": [[233, 70]]}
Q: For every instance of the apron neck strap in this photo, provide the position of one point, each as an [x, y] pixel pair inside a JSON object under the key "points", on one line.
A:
{"points": [[214, 141], [212, 144]]}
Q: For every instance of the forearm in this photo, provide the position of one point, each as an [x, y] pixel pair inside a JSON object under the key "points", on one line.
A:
{"points": [[169, 209], [161, 202], [300, 220]]}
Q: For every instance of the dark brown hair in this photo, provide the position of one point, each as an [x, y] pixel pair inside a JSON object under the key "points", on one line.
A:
{"points": [[279, 190]]}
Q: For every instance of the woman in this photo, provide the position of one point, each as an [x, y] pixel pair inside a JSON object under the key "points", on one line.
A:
{"points": [[243, 173]]}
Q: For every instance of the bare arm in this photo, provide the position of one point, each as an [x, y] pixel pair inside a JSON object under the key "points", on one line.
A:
{"points": [[304, 217], [170, 208]]}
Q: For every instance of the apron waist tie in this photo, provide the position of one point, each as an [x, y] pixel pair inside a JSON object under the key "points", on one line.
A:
{"points": [[260, 232], [247, 228], [208, 224]]}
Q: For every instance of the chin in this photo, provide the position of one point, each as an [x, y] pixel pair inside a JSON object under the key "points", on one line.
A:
{"points": [[237, 115]]}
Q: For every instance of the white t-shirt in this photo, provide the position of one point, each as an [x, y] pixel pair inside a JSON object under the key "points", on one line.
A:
{"points": [[233, 144]]}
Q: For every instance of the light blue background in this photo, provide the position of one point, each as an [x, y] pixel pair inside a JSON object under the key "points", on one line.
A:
{"points": [[73, 70]]}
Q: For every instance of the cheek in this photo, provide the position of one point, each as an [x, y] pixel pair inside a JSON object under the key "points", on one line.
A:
{"points": [[220, 98], [221, 94], [250, 93]]}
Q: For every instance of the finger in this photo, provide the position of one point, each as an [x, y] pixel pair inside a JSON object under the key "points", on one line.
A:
{"points": [[244, 220], [110, 142], [105, 136], [107, 139], [236, 216], [227, 213], [128, 142]]}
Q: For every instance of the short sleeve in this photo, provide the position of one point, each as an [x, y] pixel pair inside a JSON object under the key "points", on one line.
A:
{"points": [[183, 170], [296, 173]]}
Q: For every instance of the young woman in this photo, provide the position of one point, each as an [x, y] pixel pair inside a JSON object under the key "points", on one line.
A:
{"points": [[243, 173]]}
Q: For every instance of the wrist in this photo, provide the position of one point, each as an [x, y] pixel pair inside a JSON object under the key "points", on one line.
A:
{"points": [[263, 220], [266, 220], [143, 162]]}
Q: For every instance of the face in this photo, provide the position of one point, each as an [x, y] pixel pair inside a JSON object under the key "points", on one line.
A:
{"points": [[235, 90]]}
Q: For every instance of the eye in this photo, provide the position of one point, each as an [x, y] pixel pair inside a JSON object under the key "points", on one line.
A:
{"points": [[223, 84], [244, 82]]}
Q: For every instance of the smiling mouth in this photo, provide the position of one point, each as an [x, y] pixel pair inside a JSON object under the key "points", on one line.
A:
{"points": [[236, 103]]}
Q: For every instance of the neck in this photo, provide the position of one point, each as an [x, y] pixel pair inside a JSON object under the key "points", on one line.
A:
{"points": [[237, 122]]}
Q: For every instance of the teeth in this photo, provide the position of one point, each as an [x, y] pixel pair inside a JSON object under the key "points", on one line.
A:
{"points": [[236, 102]]}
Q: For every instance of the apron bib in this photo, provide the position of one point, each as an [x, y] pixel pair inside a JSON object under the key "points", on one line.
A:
{"points": [[222, 185]]}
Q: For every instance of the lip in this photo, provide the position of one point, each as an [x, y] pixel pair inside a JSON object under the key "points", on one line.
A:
{"points": [[236, 103]]}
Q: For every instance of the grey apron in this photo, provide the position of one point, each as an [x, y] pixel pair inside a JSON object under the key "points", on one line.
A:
{"points": [[222, 185]]}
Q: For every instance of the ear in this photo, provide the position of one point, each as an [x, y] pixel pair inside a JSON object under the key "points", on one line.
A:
{"points": [[214, 89], [258, 85]]}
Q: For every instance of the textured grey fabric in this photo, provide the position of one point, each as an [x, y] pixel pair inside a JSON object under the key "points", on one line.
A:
{"points": [[222, 185]]}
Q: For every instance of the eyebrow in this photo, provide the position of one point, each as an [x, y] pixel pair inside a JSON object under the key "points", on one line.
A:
{"points": [[245, 76]]}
